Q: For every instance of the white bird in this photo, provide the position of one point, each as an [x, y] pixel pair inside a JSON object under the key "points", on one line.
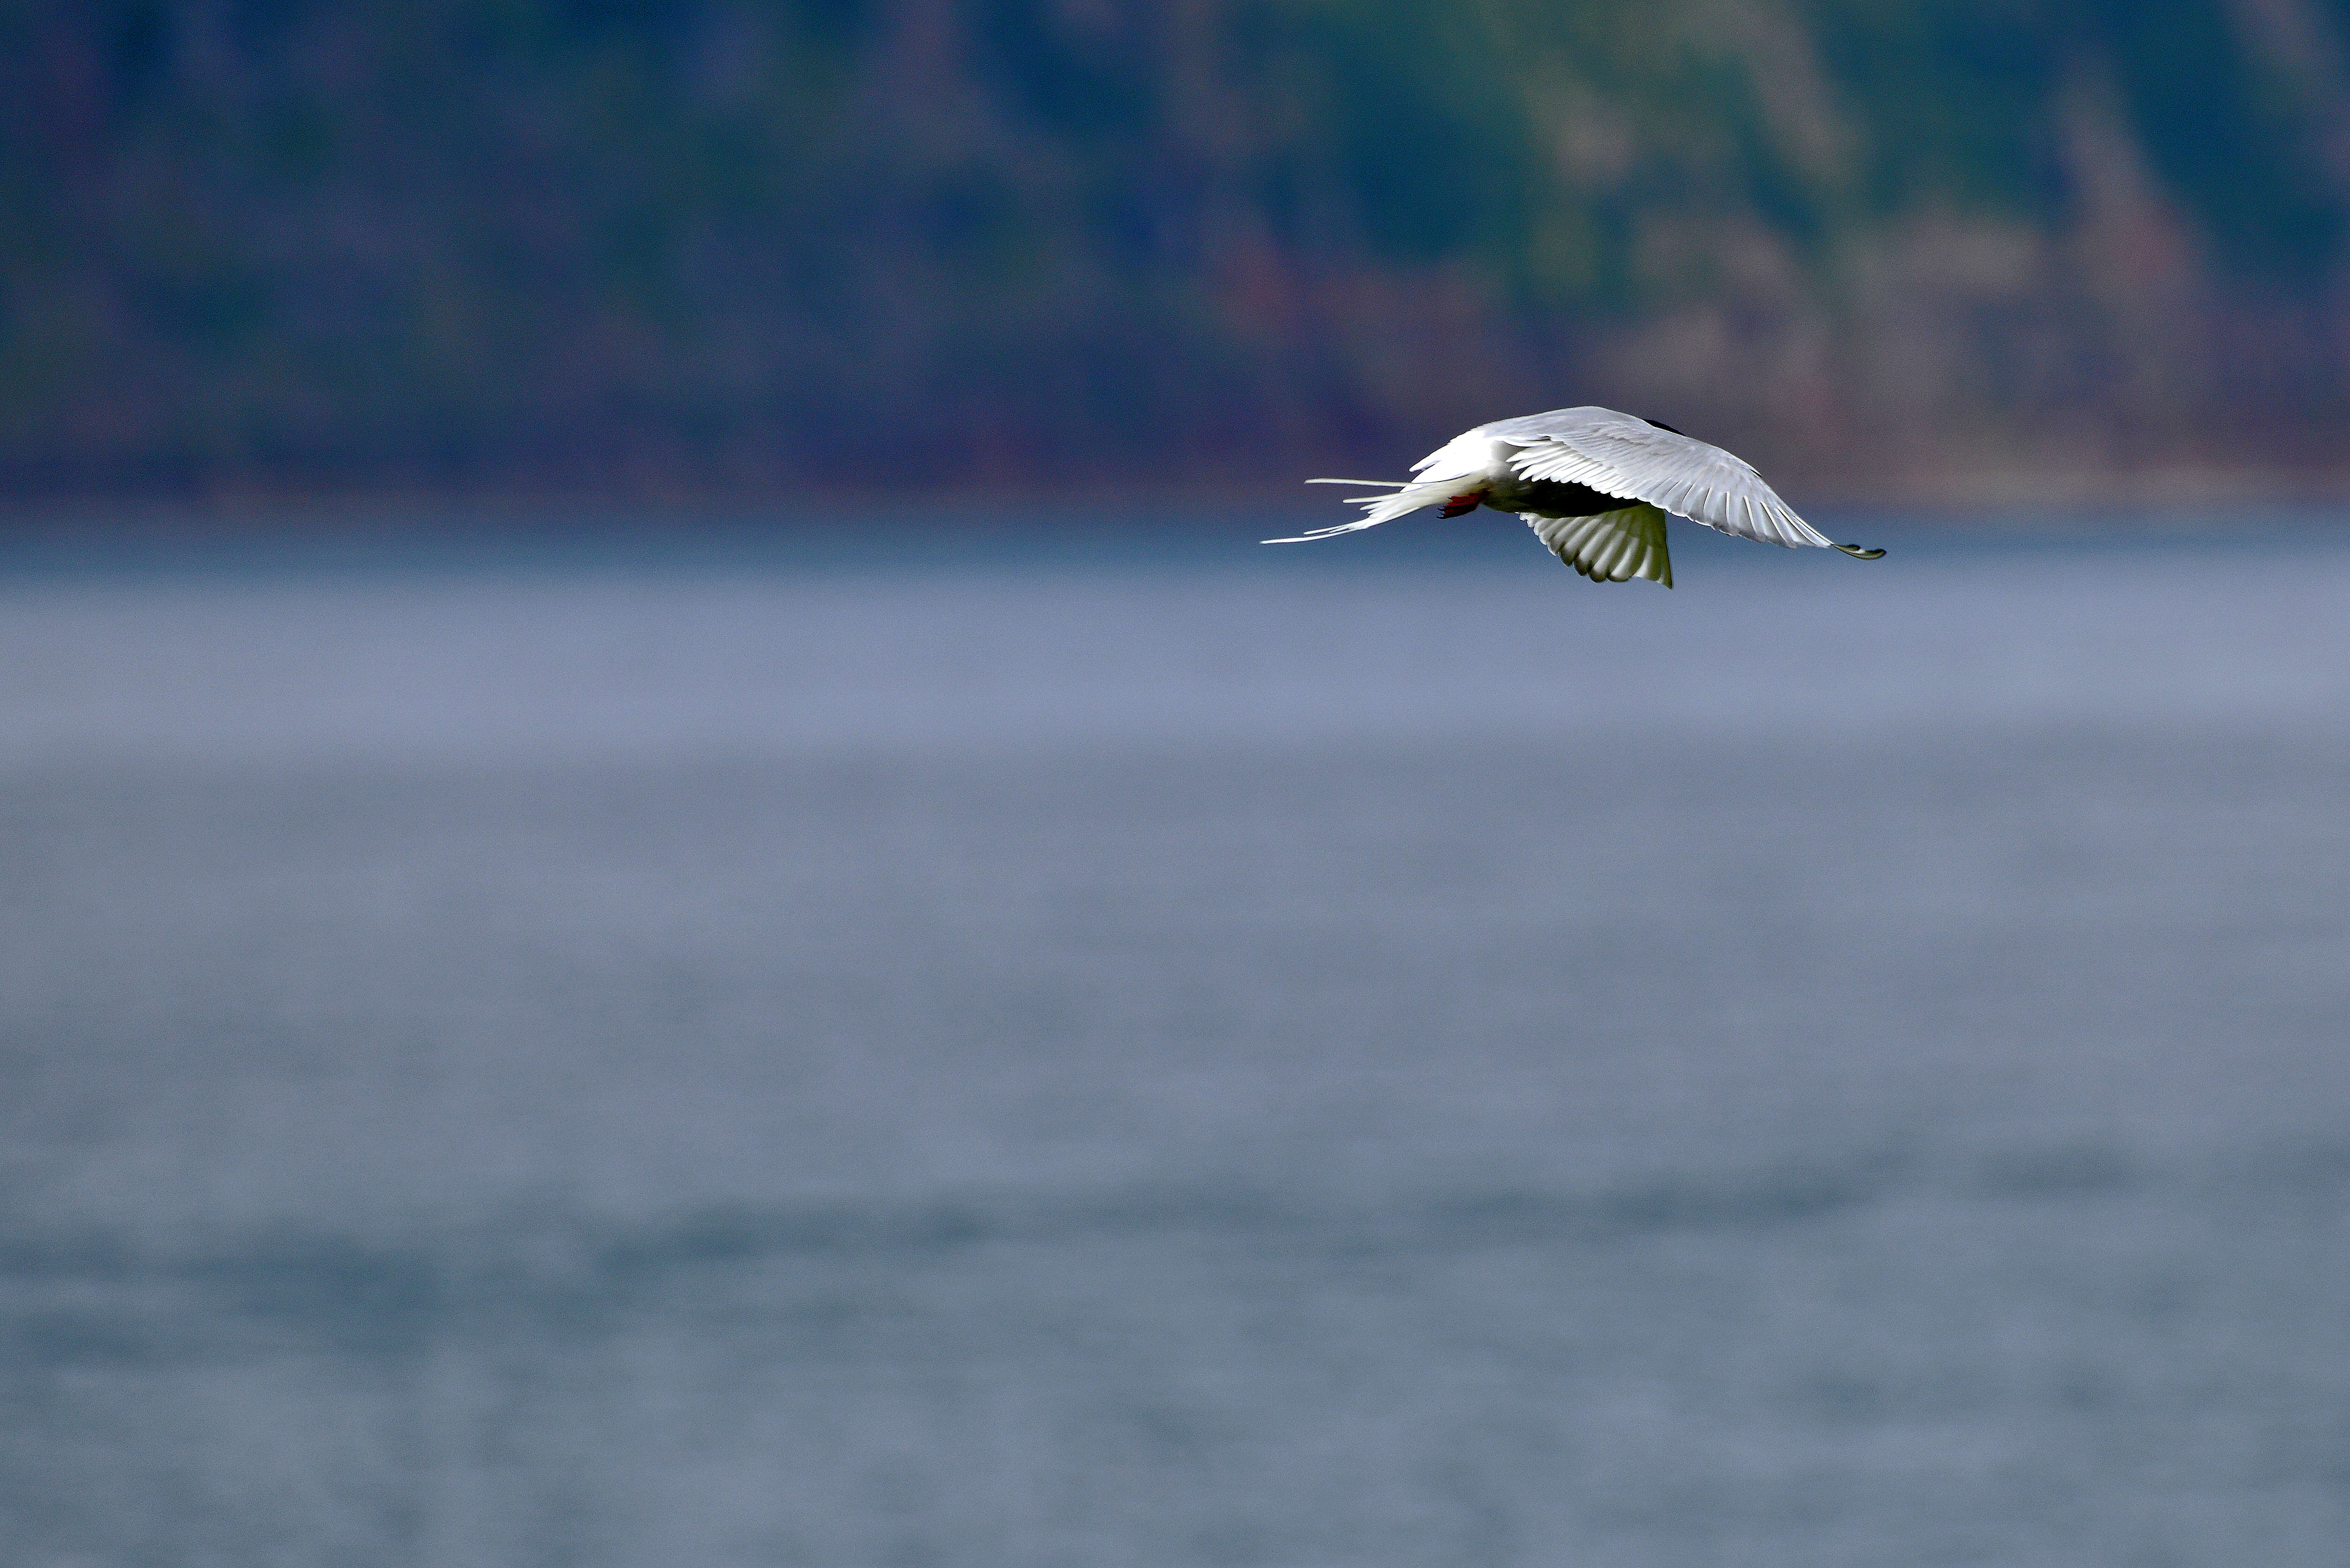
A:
{"points": [[1595, 486]]}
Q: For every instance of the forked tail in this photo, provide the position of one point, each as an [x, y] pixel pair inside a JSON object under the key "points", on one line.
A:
{"points": [[1403, 496]]}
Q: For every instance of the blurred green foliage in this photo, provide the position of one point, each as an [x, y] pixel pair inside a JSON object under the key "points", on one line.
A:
{"points": [[726, 244]]}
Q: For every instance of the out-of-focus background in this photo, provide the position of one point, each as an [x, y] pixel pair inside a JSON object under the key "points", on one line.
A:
{"points": [[726, 247], [676, 890]]}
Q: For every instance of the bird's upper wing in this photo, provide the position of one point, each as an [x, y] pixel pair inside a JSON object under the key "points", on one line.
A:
{"points": [[1619, 455]]}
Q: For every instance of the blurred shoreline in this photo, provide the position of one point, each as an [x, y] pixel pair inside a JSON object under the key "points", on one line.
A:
{"points": [[2007, 500], [696, 253]]}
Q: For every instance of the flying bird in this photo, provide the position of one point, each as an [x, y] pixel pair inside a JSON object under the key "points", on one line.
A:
{"points": [[1595, 485]]}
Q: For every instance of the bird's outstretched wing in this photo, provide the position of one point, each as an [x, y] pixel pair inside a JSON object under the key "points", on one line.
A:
{"points": [[1611, 547], [1619, 455]]}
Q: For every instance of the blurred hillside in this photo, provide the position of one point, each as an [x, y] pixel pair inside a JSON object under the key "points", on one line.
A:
{"points": [[695, 246]]}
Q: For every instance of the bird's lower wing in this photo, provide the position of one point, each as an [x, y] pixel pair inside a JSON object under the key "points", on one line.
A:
{"points": [[1611, 547]]}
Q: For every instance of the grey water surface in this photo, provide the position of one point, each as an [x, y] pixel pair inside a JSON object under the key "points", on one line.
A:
{"points": [[1384, 1056]]}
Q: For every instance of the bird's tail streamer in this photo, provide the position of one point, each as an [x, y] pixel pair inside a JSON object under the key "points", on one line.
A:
{"points": [[1402, 496]]}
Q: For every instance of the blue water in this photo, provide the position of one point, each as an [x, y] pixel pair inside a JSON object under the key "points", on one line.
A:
{"points": [[1152, 1053]]}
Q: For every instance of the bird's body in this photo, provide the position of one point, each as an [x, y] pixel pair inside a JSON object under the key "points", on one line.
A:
{"points": [[1596, 486]]}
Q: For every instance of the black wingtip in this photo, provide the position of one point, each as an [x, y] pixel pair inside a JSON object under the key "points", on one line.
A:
{"points": [[1857, 553]]}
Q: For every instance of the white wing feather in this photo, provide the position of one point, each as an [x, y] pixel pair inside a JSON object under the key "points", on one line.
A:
{"points": [[1619, 455], [1611, 547]]}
